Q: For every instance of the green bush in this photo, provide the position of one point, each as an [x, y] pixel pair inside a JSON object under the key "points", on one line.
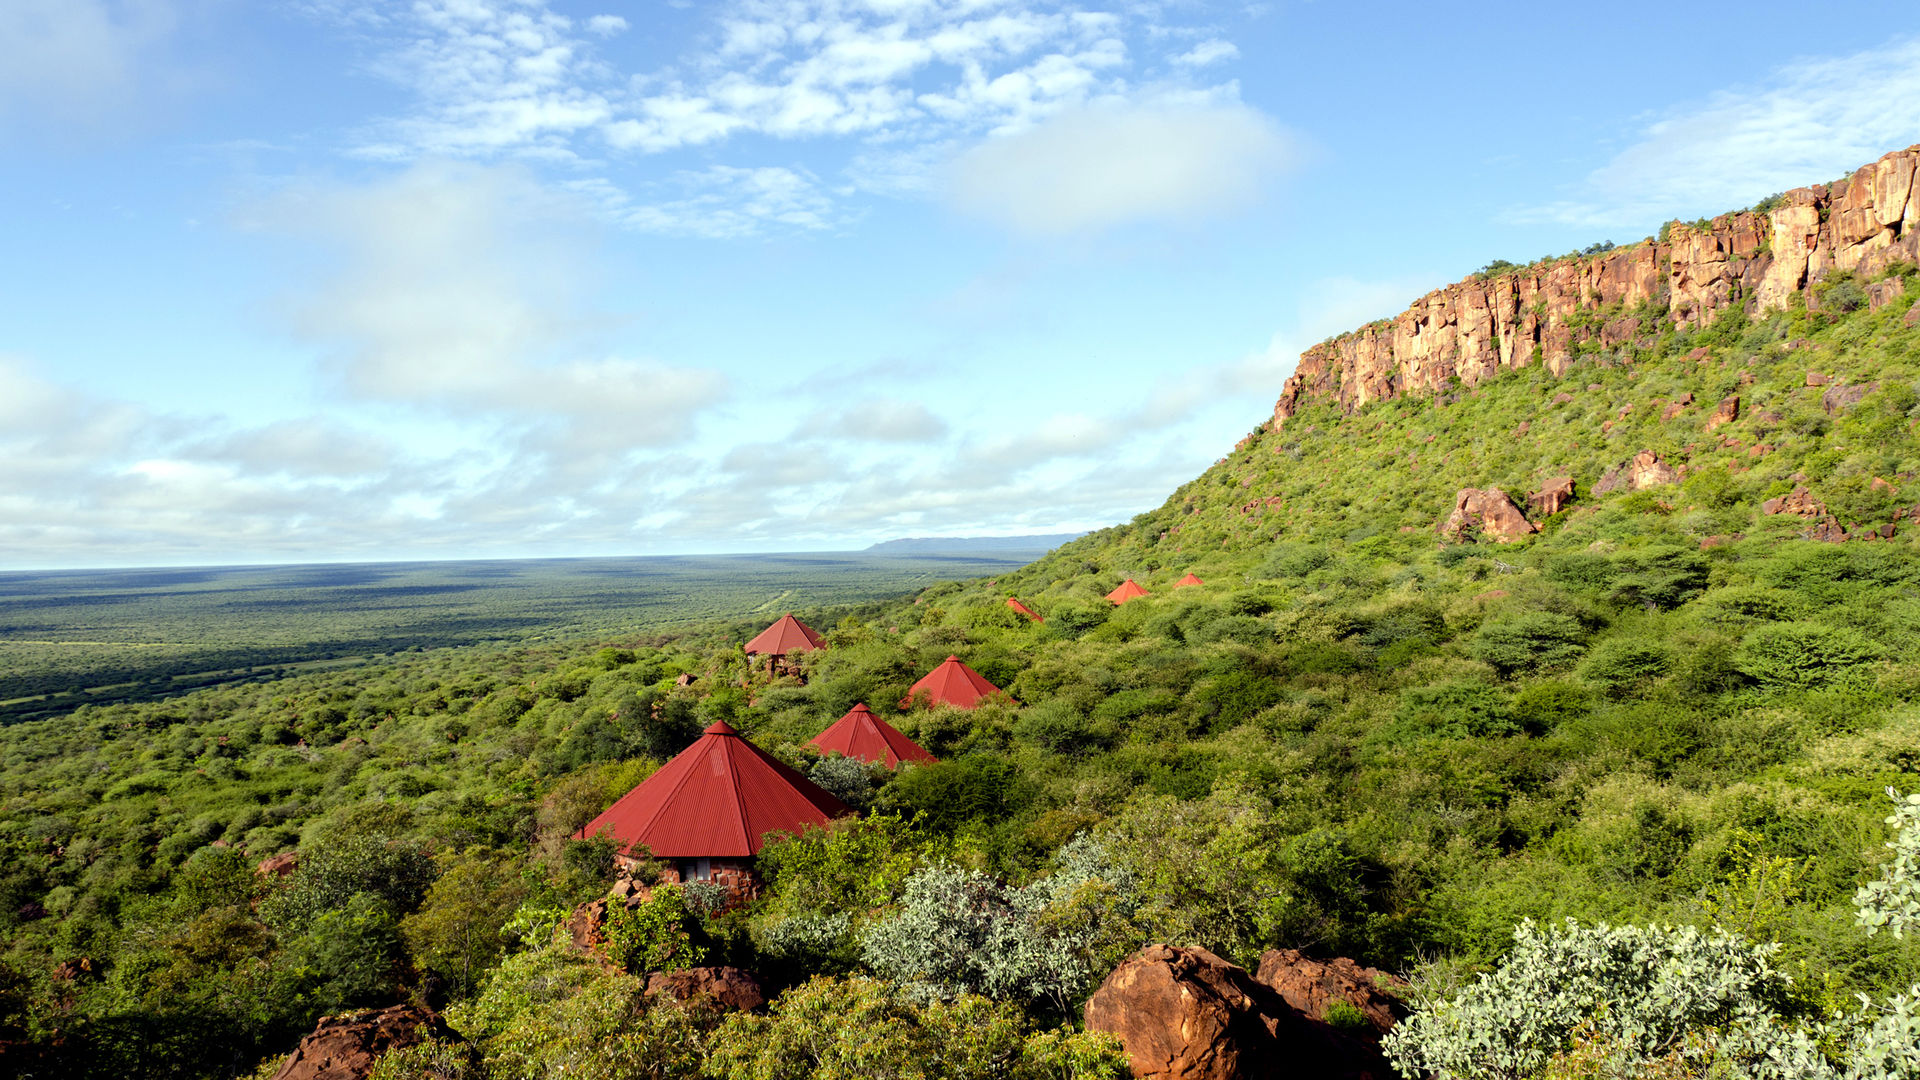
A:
{"points": [[1535, 641], [1620, 664], [1801, 655]]}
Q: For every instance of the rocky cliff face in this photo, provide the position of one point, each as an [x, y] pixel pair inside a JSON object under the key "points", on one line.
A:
{"points": [[1538, 314]]}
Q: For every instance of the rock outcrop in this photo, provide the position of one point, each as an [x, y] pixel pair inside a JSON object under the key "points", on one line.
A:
{"points": [[1489, 512], [1552, 497], [1536, 314], [1186, 1014], [1725, 413], [727, 987], [346, 1047], [1644, 471], [1312, 985]]}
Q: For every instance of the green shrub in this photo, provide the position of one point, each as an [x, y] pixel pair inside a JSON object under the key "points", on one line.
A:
{"points": [[1535, 641], [1457, 710], [1801, 655], [1618, 665]]}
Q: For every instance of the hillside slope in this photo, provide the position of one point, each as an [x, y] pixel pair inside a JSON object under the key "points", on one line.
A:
{"points": [[1679, 699]]}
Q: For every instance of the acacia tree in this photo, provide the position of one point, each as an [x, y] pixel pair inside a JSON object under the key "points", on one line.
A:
{"points": [[457, 931]]}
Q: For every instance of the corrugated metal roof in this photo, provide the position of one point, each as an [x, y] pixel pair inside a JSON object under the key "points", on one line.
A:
{"points": [[866, 737], [1015, 604], [788, 635], [717, 798], [953, 683]]}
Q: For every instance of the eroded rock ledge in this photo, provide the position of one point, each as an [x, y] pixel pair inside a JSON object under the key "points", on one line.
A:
{"points": [[1535, 314]]}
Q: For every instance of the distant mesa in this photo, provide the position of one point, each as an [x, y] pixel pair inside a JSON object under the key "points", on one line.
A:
{"points": [[1035, 544], [865, 737], [952, 683], [1128, 590]]}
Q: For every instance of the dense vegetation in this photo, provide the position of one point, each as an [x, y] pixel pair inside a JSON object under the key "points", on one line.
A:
{"points": [[1666, 709], [73, 637]]}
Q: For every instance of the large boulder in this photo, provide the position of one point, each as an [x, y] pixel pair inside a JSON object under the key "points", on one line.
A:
{"points": [[345, 1047], [1725, 413], [1644, 471], [1311, 986], [727, 987], [1186, 1014], [1552, 496], [1490, 511]]}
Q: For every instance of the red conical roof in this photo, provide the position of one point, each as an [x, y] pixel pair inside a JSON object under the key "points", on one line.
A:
{"points": [[789, 635], [865, 737], [953, 683], [1186, 581], [1024, 610], [717, 798], [1128, 590]]}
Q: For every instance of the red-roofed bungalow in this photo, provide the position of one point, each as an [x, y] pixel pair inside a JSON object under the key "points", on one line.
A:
{"points": [[784, 638], [788, 635], [952, 683], [1023, 609], [865, 737], [1128, 590], [1186, 581], [706, 813]]}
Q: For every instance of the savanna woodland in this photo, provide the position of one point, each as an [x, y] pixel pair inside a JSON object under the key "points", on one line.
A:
{"points": [[1629, 792]]}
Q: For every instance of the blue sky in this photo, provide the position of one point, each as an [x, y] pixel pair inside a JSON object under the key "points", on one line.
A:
{"points": [[324, 279]]}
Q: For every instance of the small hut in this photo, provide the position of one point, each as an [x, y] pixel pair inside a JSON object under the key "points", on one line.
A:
{"points": [[1128, 590], [785, 637], [1015, 604], [1186, 581], [706, 813], [952, 683], [865, 737]]}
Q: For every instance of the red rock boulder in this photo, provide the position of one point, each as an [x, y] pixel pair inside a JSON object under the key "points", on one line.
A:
{"points": [[727, 987], [278, 866], [1644, 471], [1725, 413], [1490, 511], [1312, 985], [1186, 1014], [346, 1047], [1553, 495]]}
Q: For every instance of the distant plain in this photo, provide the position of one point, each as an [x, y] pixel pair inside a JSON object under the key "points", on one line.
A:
{"points": [[74, 636]]}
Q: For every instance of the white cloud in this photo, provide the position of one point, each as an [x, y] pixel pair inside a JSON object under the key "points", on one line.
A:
{"points": [[607, 25], [464, 287], [68, 61], [720, 202], [1208, 52], [1805, 123], [904, 81], [494, 77], [1095, 168], [889, 420]]}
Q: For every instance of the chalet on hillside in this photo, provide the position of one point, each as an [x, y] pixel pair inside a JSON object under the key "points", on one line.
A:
{"points": [[865, 737], [1128, 590], [1187, 581], [952, 683], [1014, 603], [706, 813], [785, 637]]}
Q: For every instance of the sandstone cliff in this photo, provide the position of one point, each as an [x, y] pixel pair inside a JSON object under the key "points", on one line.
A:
{"points": [[1539, 313]]}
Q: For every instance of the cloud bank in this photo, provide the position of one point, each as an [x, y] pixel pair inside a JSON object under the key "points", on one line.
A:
{"points": [[1818, 117]]}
